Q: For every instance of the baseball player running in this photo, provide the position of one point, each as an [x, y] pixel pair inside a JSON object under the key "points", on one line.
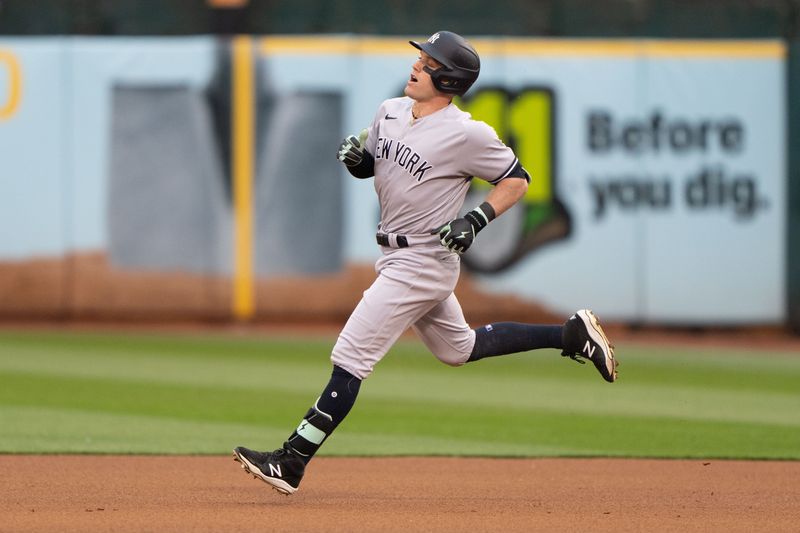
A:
{"points": [[423, 151]]}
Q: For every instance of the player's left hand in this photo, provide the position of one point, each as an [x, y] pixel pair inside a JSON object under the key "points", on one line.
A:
{"points": [[457, 235]]}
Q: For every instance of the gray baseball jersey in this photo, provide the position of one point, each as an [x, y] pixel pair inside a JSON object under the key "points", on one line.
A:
{"points": [[423, 166], [422, 172]]}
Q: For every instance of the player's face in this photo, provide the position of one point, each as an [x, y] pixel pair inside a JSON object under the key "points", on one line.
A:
{"points": [[420, 85]]}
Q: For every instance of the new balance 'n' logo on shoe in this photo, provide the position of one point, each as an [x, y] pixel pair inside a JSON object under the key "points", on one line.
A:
{"points": [[583, 337], [281, 469], [589, 349]]}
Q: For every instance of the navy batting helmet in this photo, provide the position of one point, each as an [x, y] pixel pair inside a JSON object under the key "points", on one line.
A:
{"points": [[460, 62]]}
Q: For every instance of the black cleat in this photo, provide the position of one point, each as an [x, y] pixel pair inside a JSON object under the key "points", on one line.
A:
{"points": [[281, 469], [583, 337]]}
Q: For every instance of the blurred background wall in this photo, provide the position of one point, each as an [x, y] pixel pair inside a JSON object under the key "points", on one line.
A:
{"points": [[544, 18], [118, 156]]}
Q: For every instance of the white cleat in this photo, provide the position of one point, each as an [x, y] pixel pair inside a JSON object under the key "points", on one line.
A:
{"points": [[584, 337]]}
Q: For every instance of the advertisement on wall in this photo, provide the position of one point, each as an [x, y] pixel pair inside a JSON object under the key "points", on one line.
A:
{"points": [[658, 169], [658, 191]]}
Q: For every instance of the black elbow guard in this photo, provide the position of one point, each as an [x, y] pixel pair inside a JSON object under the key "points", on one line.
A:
{"points": [[365, 168], [519, 172]]}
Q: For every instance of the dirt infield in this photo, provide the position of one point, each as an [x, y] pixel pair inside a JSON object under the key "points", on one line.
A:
{"points": [[135, 493], [157, 493]]}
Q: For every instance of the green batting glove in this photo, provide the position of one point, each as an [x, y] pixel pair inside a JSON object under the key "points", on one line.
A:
{"points": [[459, 234], [351, 151]]}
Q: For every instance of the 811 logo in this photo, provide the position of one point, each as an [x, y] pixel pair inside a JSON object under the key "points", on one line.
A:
{"points": [[525, 121]]}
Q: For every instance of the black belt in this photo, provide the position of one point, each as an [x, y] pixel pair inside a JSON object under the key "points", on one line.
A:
{"points": [[383, 240]]}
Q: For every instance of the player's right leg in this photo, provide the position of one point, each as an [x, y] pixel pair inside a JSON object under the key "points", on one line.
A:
{"points": [[404, 290], [281, 469]]}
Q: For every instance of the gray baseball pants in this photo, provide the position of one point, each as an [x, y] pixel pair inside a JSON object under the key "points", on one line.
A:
{"points": [[414, 289]]}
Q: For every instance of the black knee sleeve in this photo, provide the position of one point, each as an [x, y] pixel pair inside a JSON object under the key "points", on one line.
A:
{"points": [[328, 411]]}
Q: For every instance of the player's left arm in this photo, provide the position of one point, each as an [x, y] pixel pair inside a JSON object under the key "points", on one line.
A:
{"points": [[485, 155], [507, 193], [458, 235]]}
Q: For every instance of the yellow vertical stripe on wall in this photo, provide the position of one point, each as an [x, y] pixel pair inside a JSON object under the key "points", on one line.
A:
{"points": [[242, 131], [9, 62], [530, 122]]}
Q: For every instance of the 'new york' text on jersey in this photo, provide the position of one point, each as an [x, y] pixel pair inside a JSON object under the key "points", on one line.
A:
{"points": [[423, 166], [402, 155]]}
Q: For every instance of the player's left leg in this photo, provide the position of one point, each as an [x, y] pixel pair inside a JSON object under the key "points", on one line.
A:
{"points": [[581, 336], [502, 338], [446, 334], [584, 338]]}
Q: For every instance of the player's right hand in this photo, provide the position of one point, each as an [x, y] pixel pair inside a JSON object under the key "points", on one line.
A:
{"points": [[351, 151]]}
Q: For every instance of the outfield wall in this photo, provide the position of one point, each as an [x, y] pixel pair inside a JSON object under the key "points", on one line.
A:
{"points": [[659, 170]]}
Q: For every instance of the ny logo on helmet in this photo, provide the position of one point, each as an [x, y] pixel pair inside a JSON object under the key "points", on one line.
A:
{"points": [[432, 38]]}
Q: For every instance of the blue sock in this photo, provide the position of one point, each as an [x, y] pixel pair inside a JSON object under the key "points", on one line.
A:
{"points": [[505, 338]]}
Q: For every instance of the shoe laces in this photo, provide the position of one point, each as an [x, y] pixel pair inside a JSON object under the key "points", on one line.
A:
{"points": [[285, 452], [281, 453], [575, 357]]}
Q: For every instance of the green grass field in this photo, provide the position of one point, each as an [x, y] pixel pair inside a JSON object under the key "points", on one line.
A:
{"points": [[205, 394]]}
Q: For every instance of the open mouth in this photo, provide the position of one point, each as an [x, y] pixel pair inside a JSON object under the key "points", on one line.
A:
{"points": [[413, 78]]}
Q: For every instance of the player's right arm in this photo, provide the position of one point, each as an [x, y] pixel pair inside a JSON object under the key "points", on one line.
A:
{"points": [[353, 153]]}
